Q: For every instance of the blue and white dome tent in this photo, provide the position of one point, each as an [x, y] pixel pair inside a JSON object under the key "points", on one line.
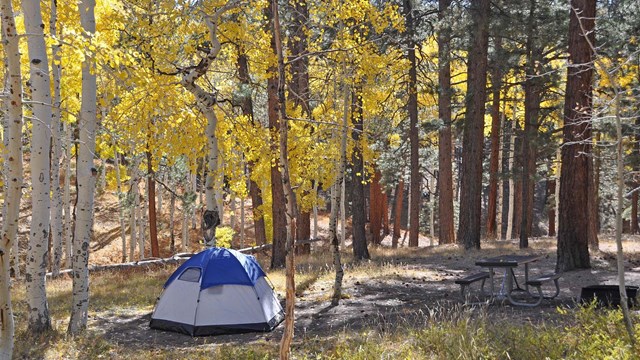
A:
{"points": [[217, 291]]}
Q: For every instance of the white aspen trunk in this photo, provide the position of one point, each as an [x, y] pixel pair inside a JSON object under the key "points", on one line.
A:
{"points": [[143, 219], [123, 234], [232, 211], [212, 166], [218, 189], [185, 229], [68, 236], [133, 211], [512, 185], [192, 210], [38, 313], [315, 211], [333, 215], [500, 185], [13, 172], [56, 190], [408, 214], [86, 178], [206, 102]]}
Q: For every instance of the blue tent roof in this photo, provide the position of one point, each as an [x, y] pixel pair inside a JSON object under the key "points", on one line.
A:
{"points": [[220, 266]]}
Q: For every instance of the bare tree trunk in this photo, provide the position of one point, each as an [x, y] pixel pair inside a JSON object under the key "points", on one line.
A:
{"points": [[315, 211], [12, 171], [56, 150], [151, 207], [343, 209], [375, 211], [172, 214], [360, 250], [414, 131], [473, 133], [496, 83], [551, 212], [38, 314], [68, 232], [500, 207], [143, 220], [398, 214], [512, 185], [254, 189], [120, 194], [573, 232], [86, 179], [594, 220], [445, 147], [290, 197]]}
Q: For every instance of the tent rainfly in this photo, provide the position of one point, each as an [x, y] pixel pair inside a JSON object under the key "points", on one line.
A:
{"points": [[217, 291]]}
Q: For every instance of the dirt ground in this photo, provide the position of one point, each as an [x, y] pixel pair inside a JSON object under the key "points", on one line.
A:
{"points": [[414, 287]]}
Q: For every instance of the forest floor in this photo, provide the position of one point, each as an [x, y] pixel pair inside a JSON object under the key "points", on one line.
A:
{"points": [[397, 288]]}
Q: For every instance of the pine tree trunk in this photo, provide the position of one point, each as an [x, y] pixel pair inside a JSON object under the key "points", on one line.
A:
{"points": [[38, 314], [86, 178], [398, 214], [473, 132], [512, 186], [446, 234], [414, 131], [12, 171], [358, 214], [496, 83], [56, 151], [375, 211], [500, 200], [532, 98], [551, 211], [573, 231], [278, 211]]}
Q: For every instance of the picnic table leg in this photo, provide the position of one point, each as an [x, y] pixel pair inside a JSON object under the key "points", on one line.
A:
{"points": [[493, 292]]}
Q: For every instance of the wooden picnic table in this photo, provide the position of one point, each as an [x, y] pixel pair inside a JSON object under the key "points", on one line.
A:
{"points": [[509, 263]]}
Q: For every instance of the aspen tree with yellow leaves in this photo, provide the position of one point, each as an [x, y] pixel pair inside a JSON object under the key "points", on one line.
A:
{"points": [[86, 176], [12, 173], [40, 91]]}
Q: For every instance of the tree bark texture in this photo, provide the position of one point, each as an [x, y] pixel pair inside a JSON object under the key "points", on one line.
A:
{"points": [[551, 210], [532, 98], [496, 84], [472, 145], [358, 214], [414, 131], [151, 197], [37, 252], [278, 201], [375, 209], [445, 169], [254, 189], [573, 232], [56, 150], [86, 176], [12, 173], [397, 215], [290, 196]]}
